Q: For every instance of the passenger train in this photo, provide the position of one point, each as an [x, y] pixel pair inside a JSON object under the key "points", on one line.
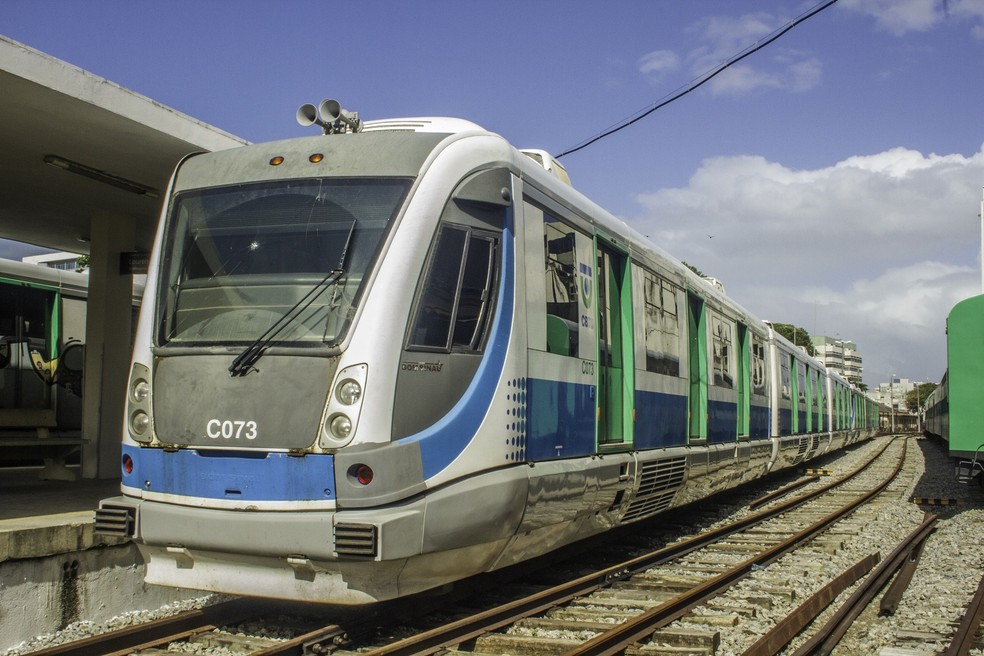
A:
{"points": [[953, 411], [378, 360], [42, 343]]}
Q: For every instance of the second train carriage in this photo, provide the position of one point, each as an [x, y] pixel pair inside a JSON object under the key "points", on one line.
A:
{"points": [[953, 411], [375, 362]]}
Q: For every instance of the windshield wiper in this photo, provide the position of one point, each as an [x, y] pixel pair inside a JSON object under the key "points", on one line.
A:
{"points": [[244, 362]]}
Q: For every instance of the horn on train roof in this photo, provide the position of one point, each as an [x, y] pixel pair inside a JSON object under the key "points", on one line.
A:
{"points": [[330, 116]]}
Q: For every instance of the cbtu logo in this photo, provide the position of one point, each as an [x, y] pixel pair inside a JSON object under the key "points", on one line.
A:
{"points": [[586, 277]]}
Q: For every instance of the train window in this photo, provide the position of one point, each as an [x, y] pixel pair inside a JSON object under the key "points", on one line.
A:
{"points": [[561, 287], [662, 325], [722, 338], [784, 362], [246, 257], [476, 283], [26, 316], [801, 381], [456, 301], [758, 366]]}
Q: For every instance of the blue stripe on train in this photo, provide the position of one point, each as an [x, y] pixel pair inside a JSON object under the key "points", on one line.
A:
{"points": [[722, 422], [661, 420], [759, 424], [232, 475], [560, 419]]}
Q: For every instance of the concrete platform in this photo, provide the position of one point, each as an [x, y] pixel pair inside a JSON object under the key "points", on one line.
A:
{"points": [[42, 518], [53, 570]]}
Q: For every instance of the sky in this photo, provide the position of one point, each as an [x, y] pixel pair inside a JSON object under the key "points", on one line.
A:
{"points": [[832, 179]]}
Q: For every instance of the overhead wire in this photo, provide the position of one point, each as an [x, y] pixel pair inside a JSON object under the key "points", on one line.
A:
{"points": [[703, 79]]}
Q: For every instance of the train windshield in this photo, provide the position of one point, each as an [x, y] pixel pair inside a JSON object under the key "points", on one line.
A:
{"points": [[242, 259]]}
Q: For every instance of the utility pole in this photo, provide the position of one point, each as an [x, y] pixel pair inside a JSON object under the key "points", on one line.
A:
{"points": [[891, 395]]}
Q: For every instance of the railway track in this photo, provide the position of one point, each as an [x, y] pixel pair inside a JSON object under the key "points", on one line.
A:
{"points": [[631, 607], [713, 593]]}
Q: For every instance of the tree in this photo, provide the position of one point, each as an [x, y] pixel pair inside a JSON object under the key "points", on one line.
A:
{"points": [[692, 268], [917, 396], [798, 336]]}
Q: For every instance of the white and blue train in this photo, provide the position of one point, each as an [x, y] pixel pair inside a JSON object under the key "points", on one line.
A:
{"points": [[379, 360]]}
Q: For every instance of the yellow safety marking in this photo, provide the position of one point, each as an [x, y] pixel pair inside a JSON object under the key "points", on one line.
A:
{"points": [[928, 501]]}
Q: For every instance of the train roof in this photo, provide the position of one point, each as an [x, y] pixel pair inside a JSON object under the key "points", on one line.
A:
{"points": [[70, 282]]}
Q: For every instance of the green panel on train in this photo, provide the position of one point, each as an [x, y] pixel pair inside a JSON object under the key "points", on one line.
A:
{"points": [[965, 344]]}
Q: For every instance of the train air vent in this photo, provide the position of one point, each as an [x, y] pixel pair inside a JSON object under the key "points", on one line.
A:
{"points": [[804, 442], [658, 484], [116, 521], [355, 540]]}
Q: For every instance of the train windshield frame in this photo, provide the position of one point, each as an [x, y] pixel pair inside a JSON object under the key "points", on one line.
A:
{"points": [[242, 258]]}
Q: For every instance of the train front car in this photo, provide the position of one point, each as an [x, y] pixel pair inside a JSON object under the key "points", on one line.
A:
{"points": [[327, 327]]}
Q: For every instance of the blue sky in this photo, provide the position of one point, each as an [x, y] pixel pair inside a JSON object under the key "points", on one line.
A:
{"points": [[831, 180]]}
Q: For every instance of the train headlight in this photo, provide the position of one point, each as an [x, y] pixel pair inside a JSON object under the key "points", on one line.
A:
{"points": [[344, 406], [140, 391], [139, 422], [348, 391], [340, 426]]}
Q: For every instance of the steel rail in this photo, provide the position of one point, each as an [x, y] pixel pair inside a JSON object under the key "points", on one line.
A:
{"points": [[123, 641], [779, 636], [893, 596], [642, 626], [966, 633], [781, 492], [468, 628], [824, 641]]}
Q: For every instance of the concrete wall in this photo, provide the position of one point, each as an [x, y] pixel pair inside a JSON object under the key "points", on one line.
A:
{"points": [[43, 595]]}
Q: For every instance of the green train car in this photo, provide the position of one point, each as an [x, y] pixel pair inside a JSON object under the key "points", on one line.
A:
{"points": [[954, 411]]}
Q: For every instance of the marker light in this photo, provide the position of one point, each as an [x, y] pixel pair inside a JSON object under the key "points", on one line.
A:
{"points": [[315, 158], [276, 161], [127, 464], [362, 473]]}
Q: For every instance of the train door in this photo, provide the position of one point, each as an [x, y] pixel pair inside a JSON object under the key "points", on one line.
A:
{"points": [[811, 425], [28, 322], [615, 349], [795, 425], [697, 352], [743, 381]]}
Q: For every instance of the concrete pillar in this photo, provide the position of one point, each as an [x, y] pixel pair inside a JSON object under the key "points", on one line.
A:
{"points": [[107, 349]]}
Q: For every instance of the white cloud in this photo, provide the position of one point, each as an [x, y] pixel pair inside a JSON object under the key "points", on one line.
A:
{"points": [[658, 62], [899, 16], [902, 16], [744, 79], [721, 38], [875, 248]]}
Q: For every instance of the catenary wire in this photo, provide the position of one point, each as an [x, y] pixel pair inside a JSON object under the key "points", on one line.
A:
{"points": [[703, 79]]}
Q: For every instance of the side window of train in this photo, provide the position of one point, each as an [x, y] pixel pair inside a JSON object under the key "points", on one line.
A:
{"points": [[722, 338], [662, 319], [801, 381], [758, 366], [784, 362], [561, 286], [456, 301]]}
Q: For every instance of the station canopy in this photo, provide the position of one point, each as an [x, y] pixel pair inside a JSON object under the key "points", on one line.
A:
{"points": [[76, 146]]}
